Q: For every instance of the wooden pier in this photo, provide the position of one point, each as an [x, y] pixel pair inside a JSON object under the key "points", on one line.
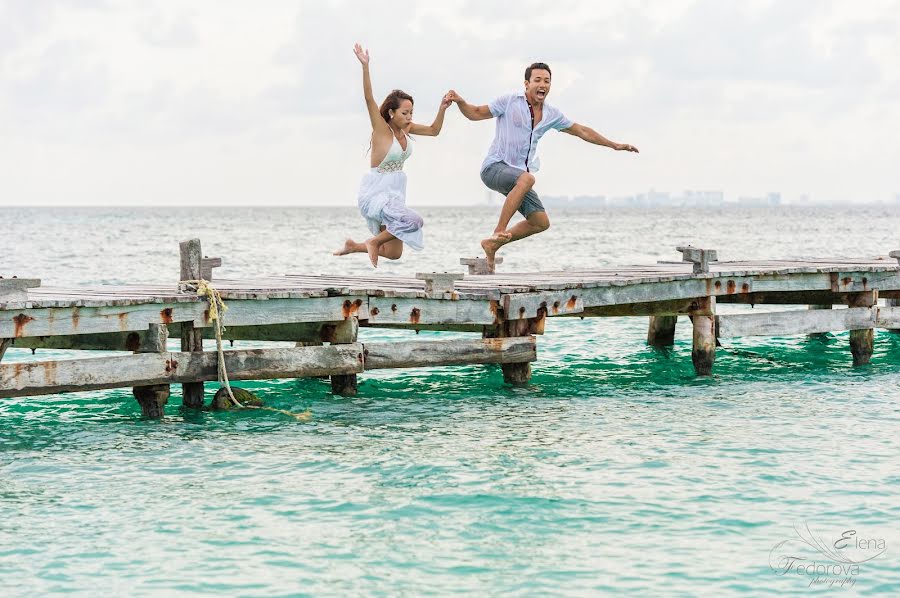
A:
{"points": [[323, 314]]}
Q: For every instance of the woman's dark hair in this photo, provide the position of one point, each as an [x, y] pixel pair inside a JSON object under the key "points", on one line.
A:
{"points": [[392, 102], [537, 65]]}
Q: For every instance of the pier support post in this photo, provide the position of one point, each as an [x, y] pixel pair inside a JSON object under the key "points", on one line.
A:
{"points": [[661, 332], [153, 399], [702, 312], [894, 302], [191, 338], [862, 342], [703, 352], [344, 385], [517, 374], [819, 335]]}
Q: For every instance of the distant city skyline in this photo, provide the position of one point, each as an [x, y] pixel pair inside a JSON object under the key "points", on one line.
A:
{"points": [[690, 198]]}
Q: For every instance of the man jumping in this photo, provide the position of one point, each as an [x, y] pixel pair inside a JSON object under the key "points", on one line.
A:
{"points": [[522, 119]]}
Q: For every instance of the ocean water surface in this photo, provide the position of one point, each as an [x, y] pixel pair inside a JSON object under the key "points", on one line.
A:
{"points": [[614, 472]]}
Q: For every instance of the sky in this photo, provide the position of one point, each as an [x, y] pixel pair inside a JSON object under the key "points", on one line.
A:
{"points": [[227, 102]]}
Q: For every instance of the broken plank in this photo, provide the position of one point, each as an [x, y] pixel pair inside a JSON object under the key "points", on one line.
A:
{"points": [[146, 369]]}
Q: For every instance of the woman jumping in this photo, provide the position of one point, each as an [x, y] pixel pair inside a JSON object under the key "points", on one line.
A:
{"points": [[382, 193]]}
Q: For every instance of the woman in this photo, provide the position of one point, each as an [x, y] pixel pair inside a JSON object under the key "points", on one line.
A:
{"points": [[382, 193]]}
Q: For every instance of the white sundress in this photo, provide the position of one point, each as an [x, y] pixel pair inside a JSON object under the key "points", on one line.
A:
{"points": [[382, 198]]}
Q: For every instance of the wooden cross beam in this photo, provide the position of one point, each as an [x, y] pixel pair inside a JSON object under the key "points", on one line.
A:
{"points": [[479, 265], [439, 282], [16, 289], [699, 257], [206, 267]]}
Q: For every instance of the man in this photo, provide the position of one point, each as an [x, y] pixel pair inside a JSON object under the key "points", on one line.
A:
{"points": [[522, 119]]}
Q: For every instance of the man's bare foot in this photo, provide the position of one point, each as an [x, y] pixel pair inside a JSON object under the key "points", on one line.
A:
{"points": [[492, 244], [347, 248], [372, 250]]}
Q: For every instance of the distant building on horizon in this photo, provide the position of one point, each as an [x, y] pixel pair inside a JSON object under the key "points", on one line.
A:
{"points": [[768, 201], [579, 201]]}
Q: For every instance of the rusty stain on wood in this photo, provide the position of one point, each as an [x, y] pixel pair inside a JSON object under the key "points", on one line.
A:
{"points": [[165, 316], [20, 321], [351, 309]]}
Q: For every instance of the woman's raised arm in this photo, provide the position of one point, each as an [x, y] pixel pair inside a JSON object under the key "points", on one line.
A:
{"points": [[374, 116]]}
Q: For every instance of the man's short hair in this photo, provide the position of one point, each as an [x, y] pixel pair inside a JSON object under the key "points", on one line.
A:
{"points": [[539, 66]]}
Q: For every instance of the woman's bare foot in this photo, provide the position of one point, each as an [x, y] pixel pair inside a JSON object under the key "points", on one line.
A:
{"points": [[372, 249], [348, 248]]}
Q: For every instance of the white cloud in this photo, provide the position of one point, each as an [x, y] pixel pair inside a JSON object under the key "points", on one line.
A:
{"points": [[205, 101]]}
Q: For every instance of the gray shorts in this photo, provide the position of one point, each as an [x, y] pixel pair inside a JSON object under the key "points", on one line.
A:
{"points": [[501, 177]]}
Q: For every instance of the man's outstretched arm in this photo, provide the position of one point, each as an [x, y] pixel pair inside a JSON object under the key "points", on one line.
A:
{"points": [[470, 111], [592, 136]]}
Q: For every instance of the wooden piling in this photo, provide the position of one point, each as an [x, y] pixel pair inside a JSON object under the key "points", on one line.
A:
{"points": [[702, 313], [191, 339], [703, 351], [4, 345], [346, 332], [516, 374], [661, 331], [862, 341], [153, 398]]}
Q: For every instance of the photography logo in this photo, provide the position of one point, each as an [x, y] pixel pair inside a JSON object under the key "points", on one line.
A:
{"points": [[836, 560]]}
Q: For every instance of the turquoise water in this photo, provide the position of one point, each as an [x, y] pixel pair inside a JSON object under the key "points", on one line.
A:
{"points": [[614, 472]]}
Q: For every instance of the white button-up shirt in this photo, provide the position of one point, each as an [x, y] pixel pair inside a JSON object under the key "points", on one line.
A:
{"points": [[515, 143]]}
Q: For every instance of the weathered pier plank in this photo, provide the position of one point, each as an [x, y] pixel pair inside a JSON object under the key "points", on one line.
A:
{"points": [[398, 310], [91, 320], [786, 323], [412, 354]]}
